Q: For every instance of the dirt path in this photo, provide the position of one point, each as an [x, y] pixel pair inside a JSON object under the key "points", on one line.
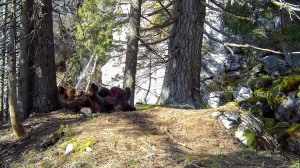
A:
{"points": [[161, 137]]}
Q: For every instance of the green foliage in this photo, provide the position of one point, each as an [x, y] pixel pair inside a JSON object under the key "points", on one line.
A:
{"points": [[239, 25], [296, 164], [188, 159], [70, 128], [94, 33], [260, 31]]}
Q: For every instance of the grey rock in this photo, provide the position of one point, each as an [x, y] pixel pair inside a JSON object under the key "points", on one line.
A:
{"points": [[254, 123], [275, 65], [69, 149], [228, 124], [216, 114], [240, 133], [215, 99], [243, 92], [293, 144], [232, 116], [88, 149], [288, 109]]}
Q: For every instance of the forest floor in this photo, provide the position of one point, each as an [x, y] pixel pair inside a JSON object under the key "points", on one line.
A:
{"points": [[158, 137]]}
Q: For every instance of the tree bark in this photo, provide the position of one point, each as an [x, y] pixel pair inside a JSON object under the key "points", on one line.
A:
{"points": [[25, 96], [132, 47], [3, 60], [12, 78], [182, 76], [45, 88]]}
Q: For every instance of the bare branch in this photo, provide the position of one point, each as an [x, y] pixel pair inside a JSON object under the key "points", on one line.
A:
{"points": [[163, 7]]}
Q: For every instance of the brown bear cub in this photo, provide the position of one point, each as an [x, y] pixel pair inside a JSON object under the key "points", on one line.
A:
{"points": [[90, 99]]}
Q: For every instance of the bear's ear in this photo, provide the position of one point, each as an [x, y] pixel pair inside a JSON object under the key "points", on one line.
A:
{"points": [[92, 89]]}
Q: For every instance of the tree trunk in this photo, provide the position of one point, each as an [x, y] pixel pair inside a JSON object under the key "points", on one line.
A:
{"points": [[25, 97], [3, 59], [45, 89], [132, 47], [12, 78], [182, 76]]}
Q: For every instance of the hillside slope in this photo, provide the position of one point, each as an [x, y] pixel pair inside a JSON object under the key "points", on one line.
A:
{"points": [[157, 137]]}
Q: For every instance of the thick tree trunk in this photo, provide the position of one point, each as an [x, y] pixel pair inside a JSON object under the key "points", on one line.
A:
{"points": [[182, 77], [3, 60], [12, 78], [132, 47], [45, 89], [25, 96]]}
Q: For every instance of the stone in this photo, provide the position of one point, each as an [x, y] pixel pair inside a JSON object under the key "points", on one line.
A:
{"points": [[69, 149], [215, 99], [216, 114], [228, 124], [231, 116], [243, 92], [88, 149], [275, 65], [240, 132]]}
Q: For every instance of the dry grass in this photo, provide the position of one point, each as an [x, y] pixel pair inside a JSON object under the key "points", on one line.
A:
{"points": [[161, 137]]}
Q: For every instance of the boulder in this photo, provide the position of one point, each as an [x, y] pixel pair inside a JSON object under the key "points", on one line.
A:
{"points": [[243, 92], [289, 108], [216, 99], [275, 65]]}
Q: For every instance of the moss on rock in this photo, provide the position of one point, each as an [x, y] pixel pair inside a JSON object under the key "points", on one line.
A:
{"points": [[228, 95], [261, 92], [262, 81], [269, 122], [284, 85], [253, 100], [291, 131], [251, 138]]}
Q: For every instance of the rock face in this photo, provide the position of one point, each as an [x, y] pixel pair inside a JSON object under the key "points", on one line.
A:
{"points": [[243, 92], [275, 65], [215, 99]]}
